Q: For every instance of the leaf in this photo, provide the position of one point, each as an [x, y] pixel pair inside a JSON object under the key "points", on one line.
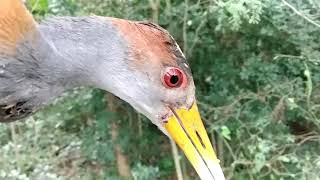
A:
{"points": [[284, 159], [39, 6], [225, 131], [291, 103]]}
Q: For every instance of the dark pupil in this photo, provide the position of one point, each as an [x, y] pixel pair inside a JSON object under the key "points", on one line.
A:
{"points": [[174, 79]]}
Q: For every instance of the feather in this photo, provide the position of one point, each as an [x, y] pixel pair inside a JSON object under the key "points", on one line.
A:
{"points": [[22, 48], [16, 24]]}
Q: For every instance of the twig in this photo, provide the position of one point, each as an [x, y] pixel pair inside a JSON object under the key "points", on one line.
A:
{"points": [[154, 5], [309, 84], [184, 28], [230, 149], [176, 159], [199, 28], [288, 56], [123, 166], [220, 149], [300, 13], [196, 40], [309, 138], [15, 143]]}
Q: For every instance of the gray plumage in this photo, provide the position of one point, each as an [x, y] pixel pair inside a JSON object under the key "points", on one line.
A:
{"points": [[65, 54], [81, 51]]}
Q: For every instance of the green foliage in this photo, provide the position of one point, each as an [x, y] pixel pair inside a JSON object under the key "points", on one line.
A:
{"points": [[38, 6], [141, 172], [256, 68]]}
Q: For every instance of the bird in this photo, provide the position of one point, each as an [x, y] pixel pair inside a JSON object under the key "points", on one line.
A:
{"points": [[137, 61]]}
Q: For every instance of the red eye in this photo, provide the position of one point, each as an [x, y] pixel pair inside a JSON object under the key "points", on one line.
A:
{"points": [[173, 78]]}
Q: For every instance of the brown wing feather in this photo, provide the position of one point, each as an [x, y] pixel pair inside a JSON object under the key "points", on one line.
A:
{"points": [[15, 24]]}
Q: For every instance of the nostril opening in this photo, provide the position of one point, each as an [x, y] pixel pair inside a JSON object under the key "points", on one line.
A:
{"points": [[164, 119], [201, 141]]}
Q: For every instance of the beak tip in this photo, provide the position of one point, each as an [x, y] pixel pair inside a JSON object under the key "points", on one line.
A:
{"points": [[217, 172], [210, 171]]}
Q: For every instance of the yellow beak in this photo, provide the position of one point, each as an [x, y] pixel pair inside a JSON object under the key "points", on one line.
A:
{"points": [[186, 129]]}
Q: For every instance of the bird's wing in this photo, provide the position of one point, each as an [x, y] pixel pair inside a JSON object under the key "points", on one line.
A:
{"points": [[20, 43]]}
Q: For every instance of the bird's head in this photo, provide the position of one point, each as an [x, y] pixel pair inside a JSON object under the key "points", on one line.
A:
{"points": [[143, 65], [157, 82]]}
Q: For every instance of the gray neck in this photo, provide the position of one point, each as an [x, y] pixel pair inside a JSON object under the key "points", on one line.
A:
{"points": [[70, 52], [87, 46]]}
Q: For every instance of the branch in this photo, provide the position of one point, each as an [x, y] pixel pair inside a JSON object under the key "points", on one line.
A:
{"points": [[184, 28], [176, 159], [300, 13], [123, 165], [15, 143]]}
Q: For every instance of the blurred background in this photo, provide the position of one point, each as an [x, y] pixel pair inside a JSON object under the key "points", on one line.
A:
{"points": [[256, 65]]}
